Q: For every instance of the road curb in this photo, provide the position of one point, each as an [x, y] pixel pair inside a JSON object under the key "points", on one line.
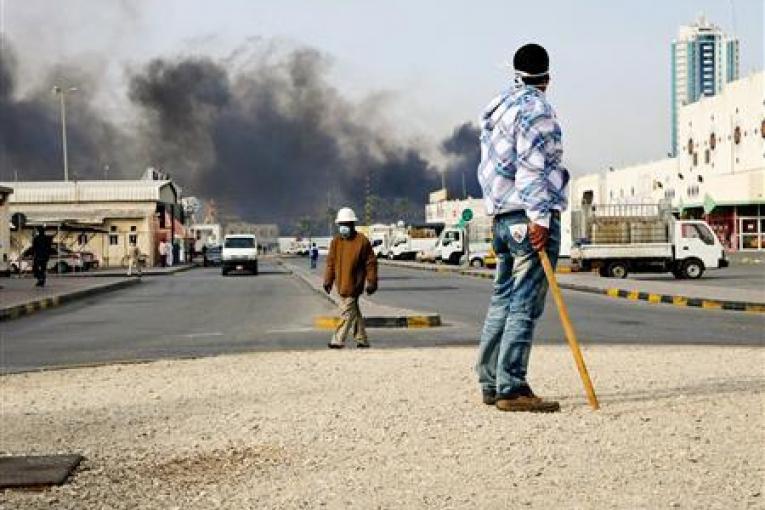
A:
{"points": [[668, 299], [148, 273], [632, 295], [440, 268], [16, 311], [372, 321]]}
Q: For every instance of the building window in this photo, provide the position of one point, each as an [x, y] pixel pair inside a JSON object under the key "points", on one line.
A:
{"points": [[706, 156], [737, 135], [133, 228], [113, 228], [712, 141], [114, 239], [690, 146], [82, 239], [762, 128], [133, 239], [695, 159]]}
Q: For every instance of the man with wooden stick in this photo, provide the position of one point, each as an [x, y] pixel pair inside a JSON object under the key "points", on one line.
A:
{"points": [[524, 187]]}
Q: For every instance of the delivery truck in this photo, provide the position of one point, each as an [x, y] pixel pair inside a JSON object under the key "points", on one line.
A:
{"points": [[618, 239], [453, 241], [406, 244]]}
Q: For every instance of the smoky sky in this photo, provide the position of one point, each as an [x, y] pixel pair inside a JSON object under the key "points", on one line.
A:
{"points": [[265, 135]]}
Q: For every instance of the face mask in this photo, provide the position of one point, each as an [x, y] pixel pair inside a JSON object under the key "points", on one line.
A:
{"points": [[344, 230]]}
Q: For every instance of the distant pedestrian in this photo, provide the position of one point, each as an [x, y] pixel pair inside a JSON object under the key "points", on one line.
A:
{"points": [[162, 248], [204, 255], [134, 259], [350, 263], [314, 256], [524, 188], [41, 248]]}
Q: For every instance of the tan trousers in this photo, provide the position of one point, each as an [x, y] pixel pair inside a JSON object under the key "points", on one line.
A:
{"points": [[350, 320]]}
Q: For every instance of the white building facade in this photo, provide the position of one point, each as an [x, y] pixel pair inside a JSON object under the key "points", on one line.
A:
{"points": [[718, 174]]}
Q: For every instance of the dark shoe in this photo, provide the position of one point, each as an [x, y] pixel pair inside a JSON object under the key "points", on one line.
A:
{"points": [[523, 403], [489, 398], [362, 345], [335, 346]]}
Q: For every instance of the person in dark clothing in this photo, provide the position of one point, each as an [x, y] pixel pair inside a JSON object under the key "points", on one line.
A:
{"points": [[41, 246], [314, 255]]}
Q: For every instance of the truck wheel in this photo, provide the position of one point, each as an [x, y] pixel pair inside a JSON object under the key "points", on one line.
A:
{"points": [[617, 269], [62, 267], [255, 269], [603, 271], [477, 263], [224, 271], [693, 269]]}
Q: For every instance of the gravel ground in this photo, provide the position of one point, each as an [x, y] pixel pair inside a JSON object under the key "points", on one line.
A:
{"points": [[680, 427]]}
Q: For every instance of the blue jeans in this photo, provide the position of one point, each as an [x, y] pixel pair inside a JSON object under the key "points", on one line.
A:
{"points": [[517, 302]]}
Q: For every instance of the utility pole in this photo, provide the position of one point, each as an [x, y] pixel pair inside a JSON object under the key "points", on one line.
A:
{"points": [[464, 187], [329, 216], [368, 201], [62, 97]]}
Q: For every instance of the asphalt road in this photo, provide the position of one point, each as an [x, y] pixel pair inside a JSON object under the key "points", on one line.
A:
{"points": [[200, 313], [741, 276]]}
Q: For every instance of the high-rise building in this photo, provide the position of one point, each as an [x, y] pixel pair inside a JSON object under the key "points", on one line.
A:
{"points": [[704, 59]]}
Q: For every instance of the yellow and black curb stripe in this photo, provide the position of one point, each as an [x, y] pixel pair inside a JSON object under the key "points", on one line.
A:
{"points": [[401, 321], [669, 299], [16, 311]]}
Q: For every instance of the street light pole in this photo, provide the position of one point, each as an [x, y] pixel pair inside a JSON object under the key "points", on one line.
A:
{"points": [[61, 93]]}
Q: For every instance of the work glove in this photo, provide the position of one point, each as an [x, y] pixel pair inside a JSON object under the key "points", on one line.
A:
{"points": [[327, 288], [538, 235], [371, 289]]}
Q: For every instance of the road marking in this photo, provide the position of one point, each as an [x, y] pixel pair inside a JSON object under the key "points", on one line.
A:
{"points": [[195, 335], [290, 330], [711, 304], [654, 298]]}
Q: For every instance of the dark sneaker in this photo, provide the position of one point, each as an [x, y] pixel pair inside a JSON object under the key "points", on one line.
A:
{"points": [[489, 398], [335, 346], [362, 345], [523, 403]]}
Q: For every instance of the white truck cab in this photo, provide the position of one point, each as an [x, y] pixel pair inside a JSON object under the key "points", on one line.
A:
{"points": [[239, 253]]}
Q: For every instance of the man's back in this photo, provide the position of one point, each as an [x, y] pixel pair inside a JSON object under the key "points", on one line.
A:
{"points": [[521, 153], [349, 262], [41, 247]]}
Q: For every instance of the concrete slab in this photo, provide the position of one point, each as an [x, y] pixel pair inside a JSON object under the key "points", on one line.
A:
{"points": [[32, 471]]}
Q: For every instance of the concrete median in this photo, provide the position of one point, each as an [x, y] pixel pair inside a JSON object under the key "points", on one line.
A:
{"points": [[375, 315]]}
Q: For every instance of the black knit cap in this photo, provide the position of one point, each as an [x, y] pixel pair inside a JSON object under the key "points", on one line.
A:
{"points": [[532, 59]]}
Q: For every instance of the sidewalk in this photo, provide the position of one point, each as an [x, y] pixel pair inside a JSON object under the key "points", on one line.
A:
{"points": [[375, 315], [675, 292], [19, 296], [116, 272], [397, 428]]}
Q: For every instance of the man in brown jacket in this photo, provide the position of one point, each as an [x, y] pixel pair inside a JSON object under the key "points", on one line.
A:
{"points": [[350, 263]]}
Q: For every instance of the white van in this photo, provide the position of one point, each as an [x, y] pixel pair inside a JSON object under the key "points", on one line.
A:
{"points": [[239, 253]]}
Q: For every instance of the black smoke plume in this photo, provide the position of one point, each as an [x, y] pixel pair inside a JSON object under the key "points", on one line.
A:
{"points": [[263, 132], [30, 129], [465, 154]]}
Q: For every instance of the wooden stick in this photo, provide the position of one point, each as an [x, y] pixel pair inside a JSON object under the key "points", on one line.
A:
{"points": [[569, 330]]}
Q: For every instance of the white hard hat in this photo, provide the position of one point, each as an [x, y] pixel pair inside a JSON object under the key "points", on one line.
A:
{"points": [[346, 215]]}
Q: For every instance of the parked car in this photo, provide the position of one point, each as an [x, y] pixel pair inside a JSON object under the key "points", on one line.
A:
{"points": [[482, 259], [212, 256], [87, 259], [61, 261]]}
